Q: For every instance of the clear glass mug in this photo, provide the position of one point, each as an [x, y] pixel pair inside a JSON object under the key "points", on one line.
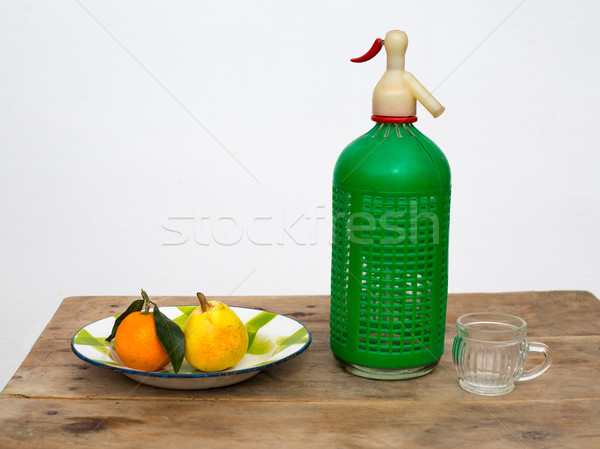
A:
{"points": [[490, 350]]}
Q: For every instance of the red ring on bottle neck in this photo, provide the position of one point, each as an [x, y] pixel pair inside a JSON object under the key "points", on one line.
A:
{"points": [[385, 119]]}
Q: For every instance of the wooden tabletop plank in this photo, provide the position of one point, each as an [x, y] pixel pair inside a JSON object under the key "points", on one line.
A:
{"points": [[130, 424], [56, 399], [556, 313], [52, 370]]}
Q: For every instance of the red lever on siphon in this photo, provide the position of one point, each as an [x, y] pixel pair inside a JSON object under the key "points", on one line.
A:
{"points": [[376, 48]]}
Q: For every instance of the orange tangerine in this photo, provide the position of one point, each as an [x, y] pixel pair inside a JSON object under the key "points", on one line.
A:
{"points": [[137, 344]]}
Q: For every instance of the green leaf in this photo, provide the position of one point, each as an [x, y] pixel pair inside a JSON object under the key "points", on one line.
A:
{"points": [[171, 337], [135, 306]]}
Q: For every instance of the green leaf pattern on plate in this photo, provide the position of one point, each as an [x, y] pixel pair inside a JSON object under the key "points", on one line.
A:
{"points": [[300, 336], [256, 323], [185, 313], [83, 337]]}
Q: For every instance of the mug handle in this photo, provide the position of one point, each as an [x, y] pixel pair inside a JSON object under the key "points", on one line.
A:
{"points": [[542, 367]]}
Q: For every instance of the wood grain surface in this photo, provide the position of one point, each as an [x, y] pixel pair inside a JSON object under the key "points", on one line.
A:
{"points": [[57, 400]]}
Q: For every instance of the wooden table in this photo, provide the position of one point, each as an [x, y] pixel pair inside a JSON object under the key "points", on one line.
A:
{"points": [[57, 400]]}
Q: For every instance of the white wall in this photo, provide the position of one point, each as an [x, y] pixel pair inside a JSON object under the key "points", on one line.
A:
{"points": [[121, 122]]}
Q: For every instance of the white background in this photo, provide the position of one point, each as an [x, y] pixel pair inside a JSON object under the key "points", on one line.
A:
{"points": [[188, 145]]}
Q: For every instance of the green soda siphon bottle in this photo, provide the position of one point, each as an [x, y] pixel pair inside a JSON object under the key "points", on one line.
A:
{"points": [[391, 211]]}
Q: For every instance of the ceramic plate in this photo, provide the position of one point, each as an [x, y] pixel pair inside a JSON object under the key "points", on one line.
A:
{"points": [[273, 339]]}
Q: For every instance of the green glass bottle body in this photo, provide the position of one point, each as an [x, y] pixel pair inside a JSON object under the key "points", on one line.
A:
{"points": [[389, 273]]}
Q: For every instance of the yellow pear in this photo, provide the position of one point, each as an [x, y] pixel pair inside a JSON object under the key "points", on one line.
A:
{"points": [[215, 337]]}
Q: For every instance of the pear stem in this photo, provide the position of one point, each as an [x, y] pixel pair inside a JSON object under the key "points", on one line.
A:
{"points": [[203, 302]]}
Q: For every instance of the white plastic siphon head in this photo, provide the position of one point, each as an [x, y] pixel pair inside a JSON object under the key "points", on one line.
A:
{"points": [[396, 93]]}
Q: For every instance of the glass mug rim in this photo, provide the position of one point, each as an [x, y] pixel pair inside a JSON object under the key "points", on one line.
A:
{"points": [[497, 325]]}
